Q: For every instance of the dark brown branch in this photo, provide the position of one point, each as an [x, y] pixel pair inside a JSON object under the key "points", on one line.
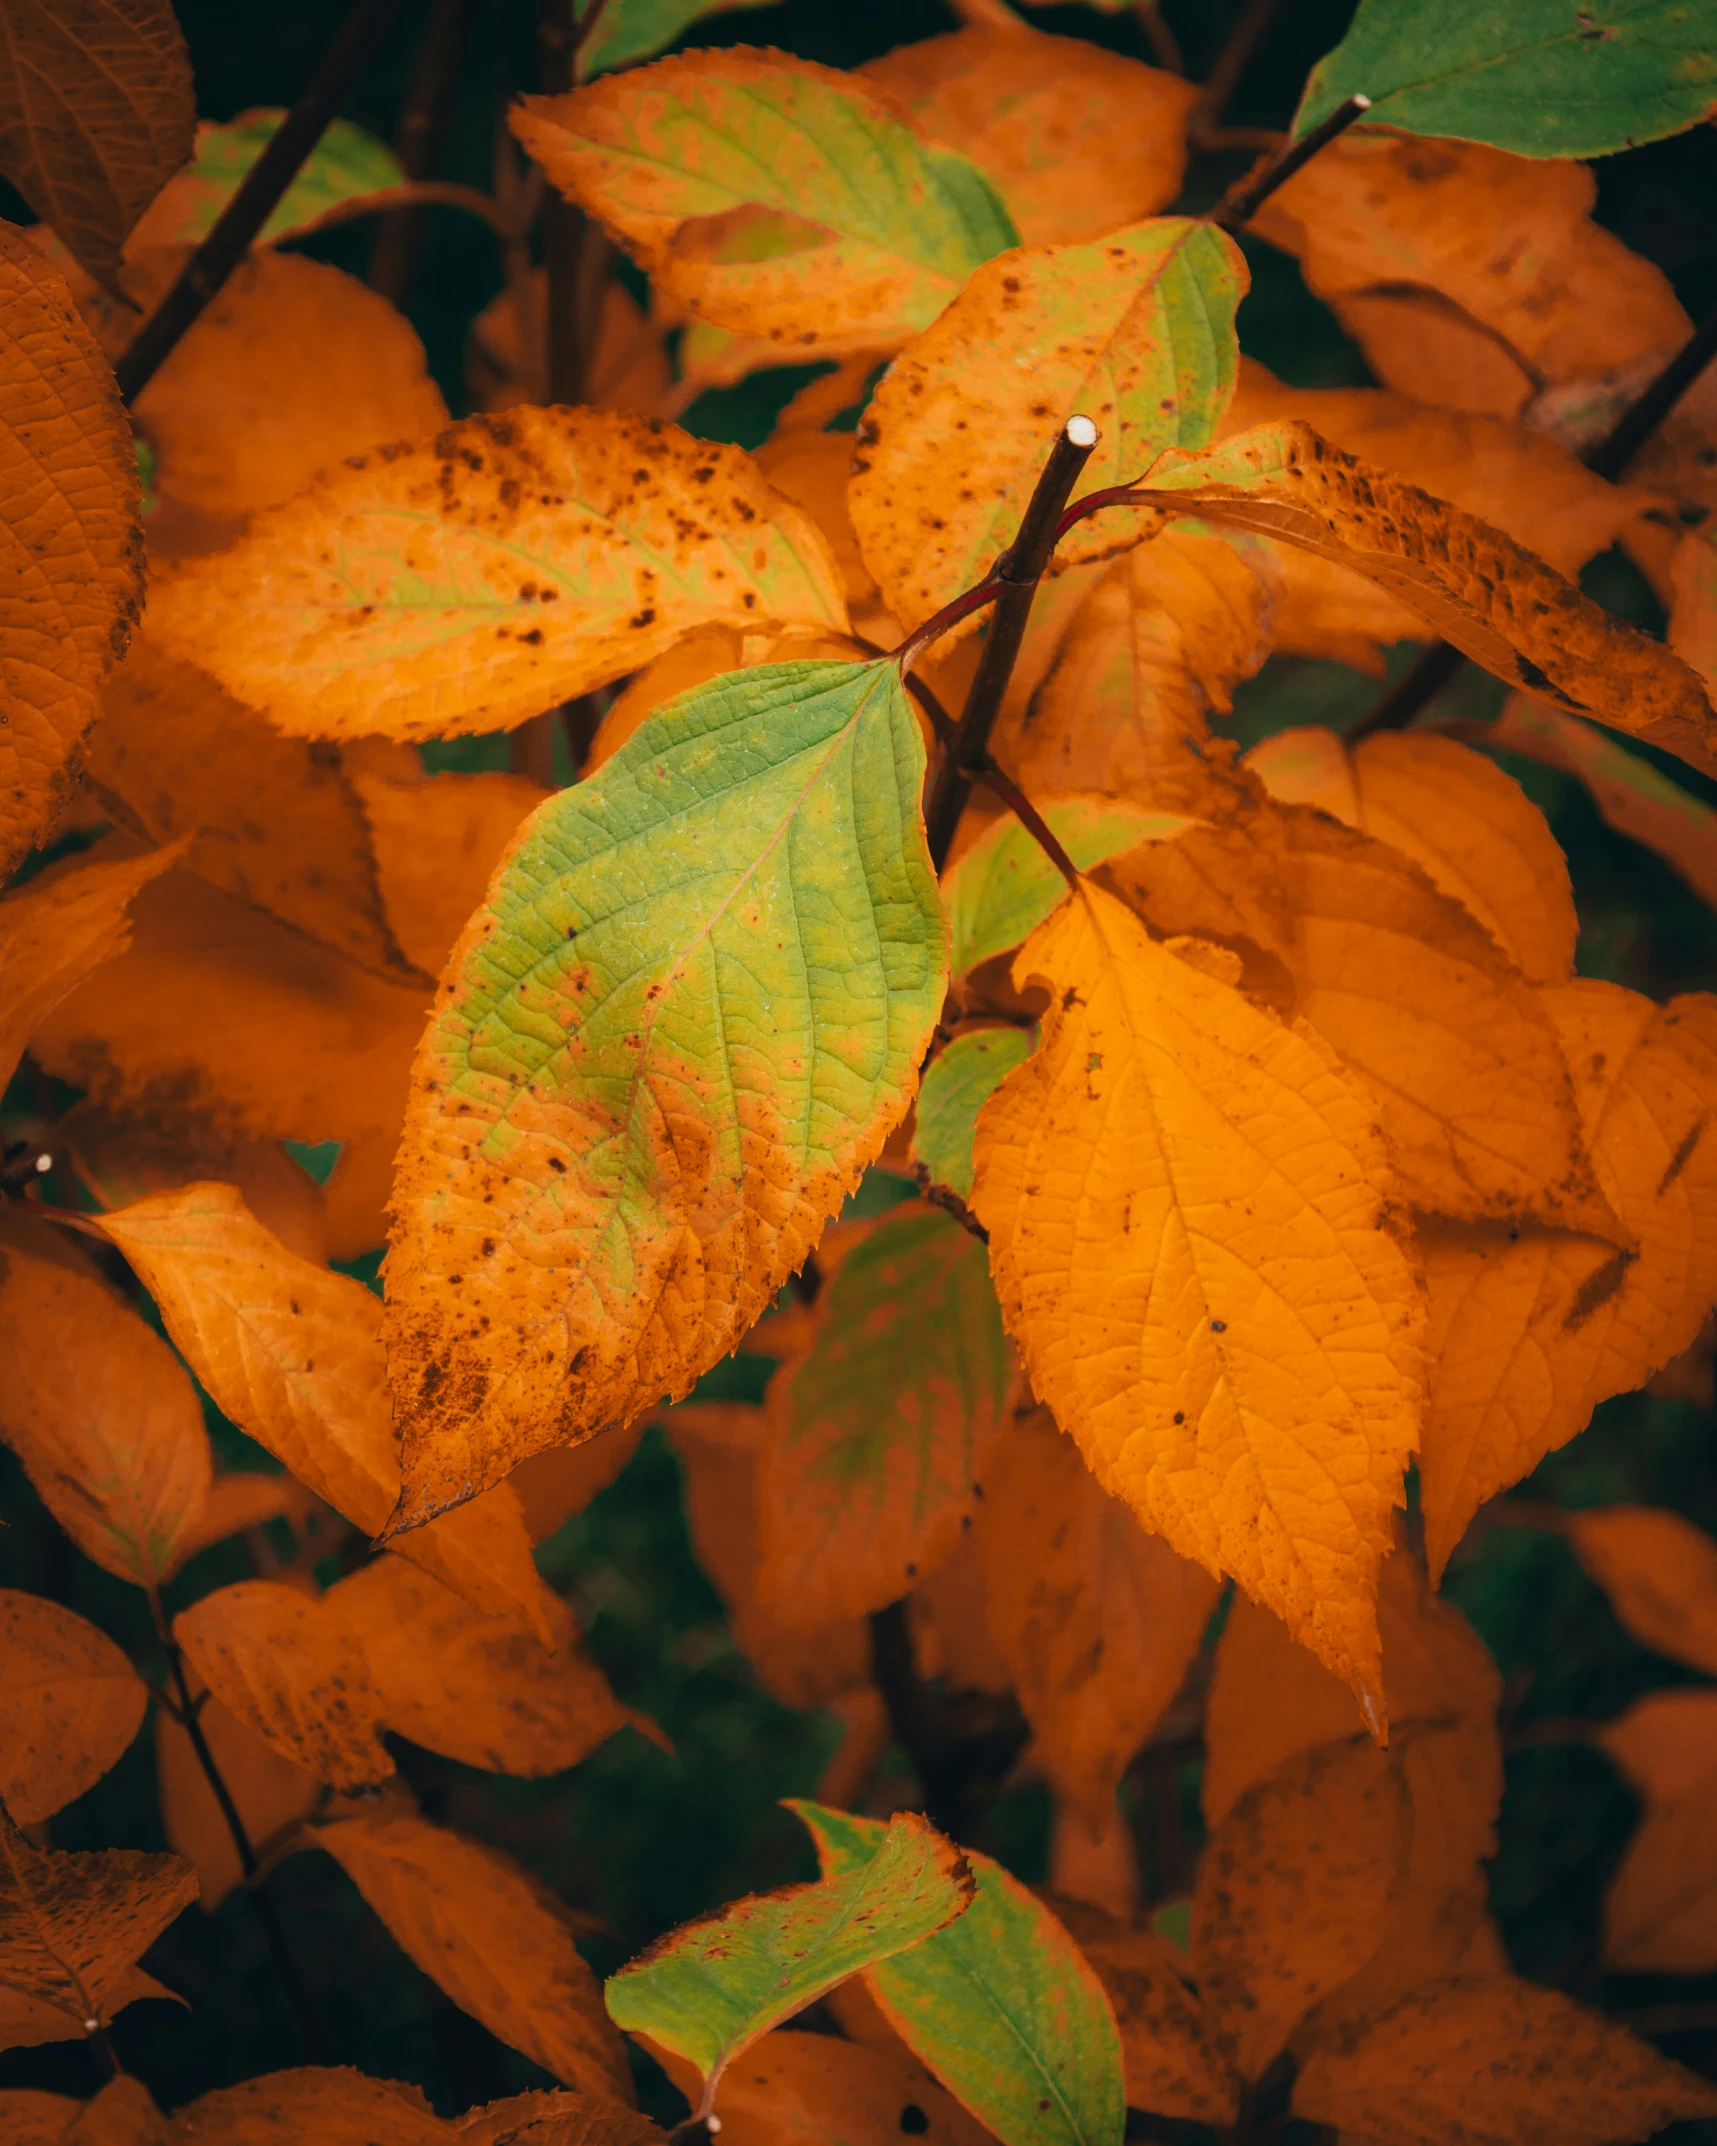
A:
{"points": [[961, 1744], [1232, 62], [418, 141], [1243, 203], [250, 208], [1165, 46], [1031, 820], [1018, 572]]}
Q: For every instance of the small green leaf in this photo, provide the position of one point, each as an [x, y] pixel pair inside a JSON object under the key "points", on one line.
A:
{"points": [[957, 1086], [1001, 2006], [345, 164], [638, 29], [1004, 886], [708, 1989], [685, 1019], [1540, 77]]}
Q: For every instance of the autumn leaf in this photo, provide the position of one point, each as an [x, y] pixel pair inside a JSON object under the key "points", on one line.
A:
{"points": [[292, 1353], [344, 165], [1533, 78], [58, 928], [335, 2107], [1000, 889], [958, 1082], [1657, 1908], [435, 845], [882, 1434], [1171, 2048], [72, 1926], [1660, 1573], [634, 533], [772, 196], [97, 1408], [809, 2087], [1000, 2005], [1500, 2061], [271, 1793], [475, 1688], [1136, 331], [1186, 1207], [1076, 140], [1493, 600], [70, 1703], [1096, 1620], [121, 2114], [688, 1015], [1531, 1328], [285, 1664], [491, 1936], [97, 111], [554, 1485], [709, 1989], [549, 2117], [71, 582]]}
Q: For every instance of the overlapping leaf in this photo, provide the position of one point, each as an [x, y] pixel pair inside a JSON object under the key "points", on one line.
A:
{"points": [[809, 2086], [270, 1793], [957, 1084], [1171, 2049], [773, 197], [1135, 332], [435, 845], [470, 580], [688, 1015], [336, 2107], [1187, 1212], [70, 1703], [1660, 1573], [1657, 1909], [345, 164]]}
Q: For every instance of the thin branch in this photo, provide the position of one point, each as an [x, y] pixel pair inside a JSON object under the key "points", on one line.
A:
{"points": [[418, 140], [1018, 571], [417, 193], [66, 1217], [1165, 46], [1431, 670], [1239, 206], [250, 208], [1233, 60], [1031, 820], [581, 34], [950, 615]]}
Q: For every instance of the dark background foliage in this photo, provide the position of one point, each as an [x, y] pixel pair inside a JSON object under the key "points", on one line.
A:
{"points": [[635, 1840]]}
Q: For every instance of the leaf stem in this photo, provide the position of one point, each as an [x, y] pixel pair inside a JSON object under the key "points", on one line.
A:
{"points": [[1608, 458], [1017, 573], [1243, 202], [1031, 820], [250, 208], [945, 620]]}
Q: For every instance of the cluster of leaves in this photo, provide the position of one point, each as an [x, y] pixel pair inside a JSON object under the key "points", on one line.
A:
{"points": [[1272, 1147]]}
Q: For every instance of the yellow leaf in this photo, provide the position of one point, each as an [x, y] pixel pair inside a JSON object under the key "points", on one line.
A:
{"points": [[293, 366], [97, 1408], [492, 1937], [1171, 2047], [271, 1793], [1095, 1619], [634, 533], [70, 1703], [286, 1666], [1660, 1573], [796, 2089], [55, 930], [1457, 815], [72, 585], [1499, 2062], [334, 2107], [477, 1689], [1078, 140], [1531, 1328], [1294, 1891], [436, 844], [1187, 1207]]}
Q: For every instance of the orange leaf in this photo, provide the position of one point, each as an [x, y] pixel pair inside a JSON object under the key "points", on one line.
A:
{"points": [[1531, 1328], [271, 1793], [72, 1926], [1173, 2052], [492, 1937], [1666, 1743], [72, 585], [54, 931], [333, 2107], [27, 2022], [1658, 1907], [97, 1408], [1186, 1203], [1495, 2061], [436, 843], [32, 2118], [628, 369], [634, 532], [555, 1484], [292, 1354], [796, 2089], [292, 366], [477, 1689], [97, 112], [287, 1667], [549, 2117], [1096, 1620], [70, 1703], [1294, 1891], [1660, 1573], [1078, 140]]}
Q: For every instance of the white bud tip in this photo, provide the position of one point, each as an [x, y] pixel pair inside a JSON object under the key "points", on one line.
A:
{"points": [[712, 2124], [1363, 102], [1081, 432], [44, 1163]]}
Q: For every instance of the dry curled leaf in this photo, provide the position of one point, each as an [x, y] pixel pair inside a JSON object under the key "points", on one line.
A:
{"points": [[70, 1703]]}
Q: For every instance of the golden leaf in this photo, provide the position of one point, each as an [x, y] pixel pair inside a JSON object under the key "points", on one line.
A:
{"points": [[436, 843], [70, 1703]]}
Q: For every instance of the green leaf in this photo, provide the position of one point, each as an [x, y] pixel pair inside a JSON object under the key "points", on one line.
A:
{"points": [[345, 164], [956, 1087], [637, 29], [710, 1988], [1001, 2006], [1541, 77], [882, 1433], [1004, 886], [687, 1016], [773, 197]]}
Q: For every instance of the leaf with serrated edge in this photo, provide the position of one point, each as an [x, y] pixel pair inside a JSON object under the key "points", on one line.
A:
{"points": [[772, 196], [1135, 331], [957, 1085], [881, 1434], [468, 581], [710, 1988], [689, 1014], [333, 2106], [70, 1703], [1001, 2005], [1187, 1206]]}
